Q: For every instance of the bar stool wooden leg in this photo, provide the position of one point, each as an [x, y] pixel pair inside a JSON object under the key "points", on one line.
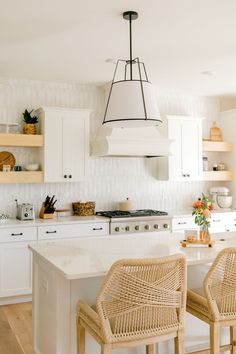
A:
{"points": [[233, 339], [179, 343], [80, 339], [214, 338], [150, 349], [106, 349]]}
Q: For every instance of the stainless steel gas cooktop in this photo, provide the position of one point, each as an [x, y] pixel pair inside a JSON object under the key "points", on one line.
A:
{"points": [[143, 220]]}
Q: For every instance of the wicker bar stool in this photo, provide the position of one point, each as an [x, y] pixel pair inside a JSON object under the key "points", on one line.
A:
{"points": [[141, 302], [215, 304]]}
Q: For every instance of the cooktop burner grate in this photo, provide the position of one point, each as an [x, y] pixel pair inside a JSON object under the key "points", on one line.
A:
{"points": [[133, 213]]}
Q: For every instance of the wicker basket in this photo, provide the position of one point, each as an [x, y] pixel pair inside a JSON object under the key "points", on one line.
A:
{"points": [[84, 209]]}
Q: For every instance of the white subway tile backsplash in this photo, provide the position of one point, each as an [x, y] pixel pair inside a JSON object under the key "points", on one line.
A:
{"points": [[110, 179]]}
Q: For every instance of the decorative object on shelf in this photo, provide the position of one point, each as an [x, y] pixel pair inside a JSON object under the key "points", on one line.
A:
{"points": [[17, 168], [205, 163], [30, 121], [215, 133], [4, 217], [202, 212], [32, 167], [7, 158], [7, 126], [6, 168], [83, 209], [48, 208], [132, 99]]}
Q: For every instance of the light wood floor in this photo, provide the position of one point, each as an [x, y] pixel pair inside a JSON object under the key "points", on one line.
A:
{"points": [[16, 329]]}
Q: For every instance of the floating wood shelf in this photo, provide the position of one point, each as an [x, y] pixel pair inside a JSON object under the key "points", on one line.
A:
{"points": [[217, 146], [21, 177], [23, 140], [218, 175]]}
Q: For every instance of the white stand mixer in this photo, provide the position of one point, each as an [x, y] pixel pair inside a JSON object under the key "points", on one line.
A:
{"points": [[221, 198]]}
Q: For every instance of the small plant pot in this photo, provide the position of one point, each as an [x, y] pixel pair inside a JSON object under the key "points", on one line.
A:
{"points": [[29, 129]]}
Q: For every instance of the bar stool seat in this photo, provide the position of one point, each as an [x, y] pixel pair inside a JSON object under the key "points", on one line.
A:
{"points": [[141, 302], [215, 303]]}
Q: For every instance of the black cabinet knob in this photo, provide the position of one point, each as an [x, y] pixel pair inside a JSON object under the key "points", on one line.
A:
{"points": [[65, 176], [70, 176]]}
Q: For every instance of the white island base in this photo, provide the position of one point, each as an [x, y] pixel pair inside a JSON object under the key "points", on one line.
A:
{"points": [[66, 272]]}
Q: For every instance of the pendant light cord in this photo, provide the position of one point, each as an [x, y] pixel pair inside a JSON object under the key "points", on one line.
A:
{"points": [[130, 46]]}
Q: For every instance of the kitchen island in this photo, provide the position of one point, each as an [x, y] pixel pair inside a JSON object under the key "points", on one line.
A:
{"points": [[68, 271]]}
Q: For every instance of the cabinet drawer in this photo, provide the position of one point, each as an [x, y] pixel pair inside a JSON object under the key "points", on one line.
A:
{"points": [[71, 231], [183, 223], [16, 234]]}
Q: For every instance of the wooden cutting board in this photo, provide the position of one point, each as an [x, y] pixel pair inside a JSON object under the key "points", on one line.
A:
{"points": [[7, 158]]}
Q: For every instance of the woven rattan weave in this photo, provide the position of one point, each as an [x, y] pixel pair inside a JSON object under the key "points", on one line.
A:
{"points": [[141, 302], [216, 302]]}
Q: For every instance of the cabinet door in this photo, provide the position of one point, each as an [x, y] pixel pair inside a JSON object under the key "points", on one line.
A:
{"points": [[74, 142], [66, 147], [175, 166], [185, 163], [53, 165], [191, 149], [15, 269]]}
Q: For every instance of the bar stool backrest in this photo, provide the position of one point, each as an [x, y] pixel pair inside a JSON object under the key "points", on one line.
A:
{"points": [[220, 286], [142, 297]]}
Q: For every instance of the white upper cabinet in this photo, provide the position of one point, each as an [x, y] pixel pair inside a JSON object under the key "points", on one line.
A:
{"points": [[185, 163], [66, 143]]}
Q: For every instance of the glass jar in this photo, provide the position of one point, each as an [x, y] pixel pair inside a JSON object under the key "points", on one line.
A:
{"points": [[205, 163]]}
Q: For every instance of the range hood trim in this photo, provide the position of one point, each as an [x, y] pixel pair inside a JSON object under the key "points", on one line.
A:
{"points": [[130, 142]]}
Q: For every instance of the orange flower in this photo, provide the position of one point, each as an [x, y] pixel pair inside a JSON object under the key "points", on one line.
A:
{"points": [[207, 213]]}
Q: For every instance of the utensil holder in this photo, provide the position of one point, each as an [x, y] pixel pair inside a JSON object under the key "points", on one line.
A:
{"points": [[44, 215]]}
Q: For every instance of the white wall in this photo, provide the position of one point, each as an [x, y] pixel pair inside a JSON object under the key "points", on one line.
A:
{"points": [[111, 179]]}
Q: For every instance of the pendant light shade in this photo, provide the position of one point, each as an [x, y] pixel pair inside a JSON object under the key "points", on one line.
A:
{"points": [[132, 100]]}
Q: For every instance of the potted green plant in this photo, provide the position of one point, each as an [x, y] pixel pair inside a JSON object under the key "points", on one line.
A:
{"points": [[30, 122]]}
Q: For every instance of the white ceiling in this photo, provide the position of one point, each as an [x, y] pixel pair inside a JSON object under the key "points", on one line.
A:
{"points": [[70, 40]]}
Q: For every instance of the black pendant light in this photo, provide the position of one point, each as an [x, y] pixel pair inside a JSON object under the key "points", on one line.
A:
{"points": [[132, 99]]}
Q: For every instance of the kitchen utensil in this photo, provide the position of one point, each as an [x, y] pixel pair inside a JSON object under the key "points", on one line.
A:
{"points": [[126, 205], [7, 158]]}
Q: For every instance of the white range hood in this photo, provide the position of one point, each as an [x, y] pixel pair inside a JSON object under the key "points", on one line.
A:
{"points": [[145, 141]]}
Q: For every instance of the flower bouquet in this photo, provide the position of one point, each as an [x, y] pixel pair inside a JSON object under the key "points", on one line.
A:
{"points": [[202, 210]]}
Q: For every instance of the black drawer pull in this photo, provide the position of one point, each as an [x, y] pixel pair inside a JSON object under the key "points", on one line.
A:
{"points": [[20, 234], [51, 232], [97, 228], [182, 223]]}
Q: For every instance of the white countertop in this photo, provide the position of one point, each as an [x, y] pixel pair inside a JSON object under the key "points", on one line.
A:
{"points": [[93, 257], [55, 221], [188, 212]]}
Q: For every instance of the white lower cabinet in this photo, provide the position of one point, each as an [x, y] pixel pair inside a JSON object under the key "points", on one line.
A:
{"points": [[16, 258], [220, 222], [16, 261], [51, 232]]}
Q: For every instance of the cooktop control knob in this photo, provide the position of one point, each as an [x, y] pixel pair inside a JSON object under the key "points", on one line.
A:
{"points": [[117, 229], [127, 228], [156, 226], [137, 227], [147, 227], [166, 226]]}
